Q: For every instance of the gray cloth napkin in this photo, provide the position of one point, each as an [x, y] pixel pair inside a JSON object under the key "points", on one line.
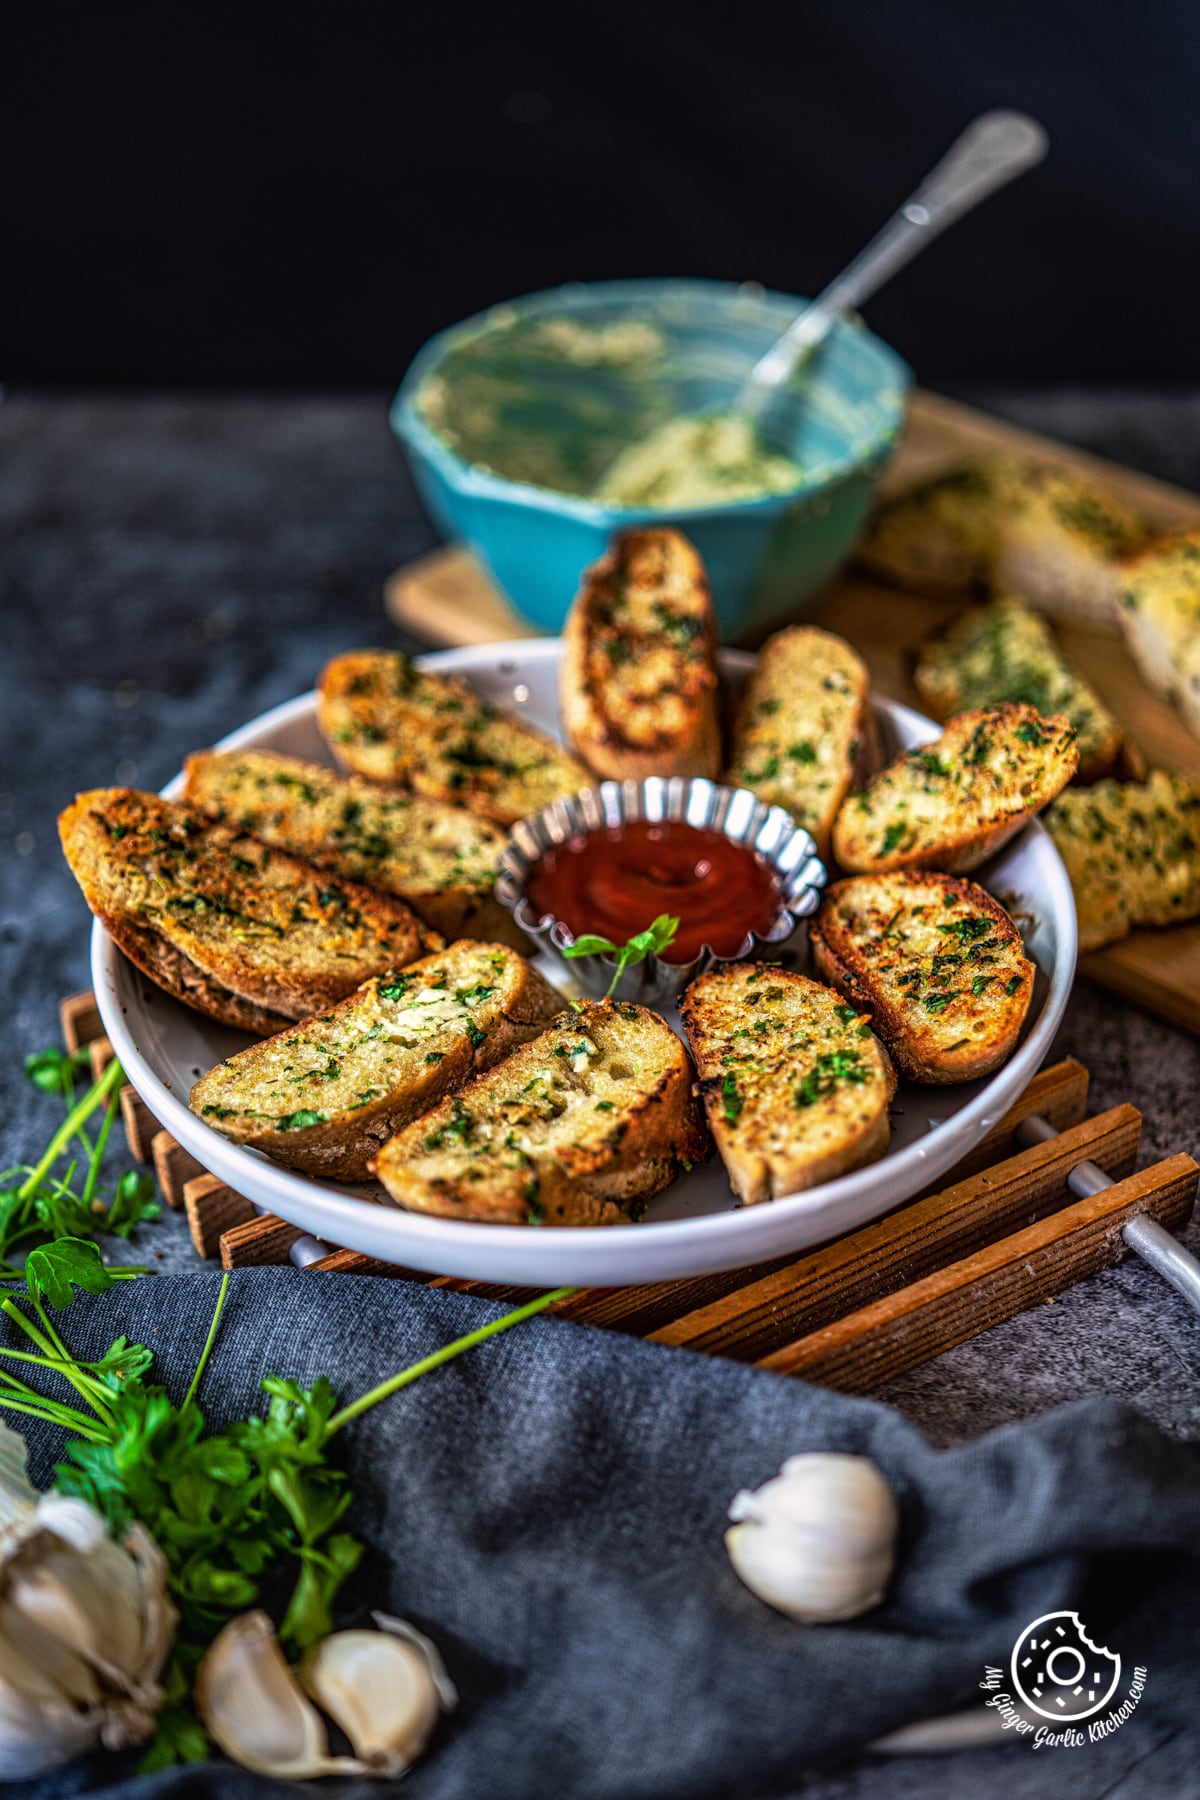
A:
{"points": [[550, 1509]]}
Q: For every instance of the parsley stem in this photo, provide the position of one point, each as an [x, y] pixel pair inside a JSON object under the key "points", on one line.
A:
{"points": [[209, 1341], [56, 1414], [89, 1389], [93, 1175], [100, 1090], [446, 1354]]}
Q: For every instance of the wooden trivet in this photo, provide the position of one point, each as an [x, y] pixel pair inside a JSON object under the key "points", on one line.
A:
{"points": [[1049, 1196]]}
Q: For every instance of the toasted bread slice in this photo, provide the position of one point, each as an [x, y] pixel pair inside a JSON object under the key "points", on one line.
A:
{"points": [[638, 676], [936, 962], [805, 732], [1061, 544], [1004, 651], [1132, 852], [392, 722], [795, 1085], [246, 934], [940, 536], [579, 1127], [440, 859], [1160, 617], [953, 803], [323, 1095]]}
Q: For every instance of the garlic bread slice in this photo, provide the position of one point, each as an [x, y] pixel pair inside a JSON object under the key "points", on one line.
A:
{"points": [[937, 964], [323, 1095], [638, 676], [805, 733], [1060, 545], [579, 1127], [795, 1084], [1159, 615], [940, 535], [951, 804], [244, 933], [1005, 651], [1132, 852], [394, 723], [440, 859]]}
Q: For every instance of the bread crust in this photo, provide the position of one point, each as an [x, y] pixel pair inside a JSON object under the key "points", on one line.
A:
{"points": [[558, 1135], [406, 727], [937, 964], [796, 1087], [390, 1065], [638, 672], [805, 733], [951, 804], [207, 913]]}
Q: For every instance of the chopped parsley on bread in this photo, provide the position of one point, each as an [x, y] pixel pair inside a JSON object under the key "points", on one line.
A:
{"points": [[239, 931], [580, 1127], [394, 723], [935, 962], [1048, 533], [638, 676], [1005, 651], [1160, 618], [1132, 852], [953, 803], [805, 733], [795, 1084], [323, 1095], [440, 859]]}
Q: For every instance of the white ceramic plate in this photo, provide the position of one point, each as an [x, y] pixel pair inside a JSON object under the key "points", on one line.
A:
{"points": [[695, 1226]]}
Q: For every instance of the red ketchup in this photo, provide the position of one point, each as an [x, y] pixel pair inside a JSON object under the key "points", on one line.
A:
{"points": [[614, 883]]}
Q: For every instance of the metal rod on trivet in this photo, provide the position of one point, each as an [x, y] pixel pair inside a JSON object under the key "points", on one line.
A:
{"points": [[305, 1251], [1144, 1236]]}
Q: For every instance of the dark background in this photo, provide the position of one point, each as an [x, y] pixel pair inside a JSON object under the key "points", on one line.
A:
{"points": [[297, 196]]}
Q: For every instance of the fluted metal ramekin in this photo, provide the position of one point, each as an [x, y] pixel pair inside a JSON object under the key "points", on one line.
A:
{"points": [[736, 812]]}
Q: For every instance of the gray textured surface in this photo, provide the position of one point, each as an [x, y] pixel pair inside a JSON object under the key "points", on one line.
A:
{"points": [[172, 567]]}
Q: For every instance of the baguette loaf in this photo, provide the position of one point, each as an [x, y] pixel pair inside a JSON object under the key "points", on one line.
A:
{"points": [[579, 1127], [323, 1095], [795, 1086], [392, 722], [805, 733], [1003, 651], [1132, 852], [638, 676], [953, 803], [937, 964], [1160, 619], [440, 859], [246, 934]]}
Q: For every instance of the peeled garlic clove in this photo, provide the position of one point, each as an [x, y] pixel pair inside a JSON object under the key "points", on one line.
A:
{"points": [[818, 1541], [384, 1689], [252, 1706]]}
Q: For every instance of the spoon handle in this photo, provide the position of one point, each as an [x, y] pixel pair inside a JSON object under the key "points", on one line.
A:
{"points": [[994, 147]]}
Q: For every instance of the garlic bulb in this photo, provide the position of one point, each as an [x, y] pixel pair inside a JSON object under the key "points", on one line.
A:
{"points": [[252, 1706], [818, 1541], [85, 1626], [384, 1688]]}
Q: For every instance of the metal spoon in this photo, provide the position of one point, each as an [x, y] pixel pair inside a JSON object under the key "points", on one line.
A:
{"points": [[991, 151]]}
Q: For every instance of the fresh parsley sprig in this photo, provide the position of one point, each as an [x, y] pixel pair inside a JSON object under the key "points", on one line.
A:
{"points": [[652, 941]]}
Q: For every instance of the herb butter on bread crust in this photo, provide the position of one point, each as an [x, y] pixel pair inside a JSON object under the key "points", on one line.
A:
{"points": [[805, 733], [935, 961], [392, 722], [795, 1085], [580, 1127], [244, 933], [323, 1095], [1004, 651], [1132, 852], [1160, 618], [638, 676], [953, 803], [440, 859]]}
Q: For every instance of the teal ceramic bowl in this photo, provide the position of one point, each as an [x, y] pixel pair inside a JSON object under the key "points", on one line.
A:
{"points": [[839, 421]]}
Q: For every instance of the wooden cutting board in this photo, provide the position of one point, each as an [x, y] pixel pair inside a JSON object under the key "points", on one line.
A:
{"points": [[446, 599]]}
